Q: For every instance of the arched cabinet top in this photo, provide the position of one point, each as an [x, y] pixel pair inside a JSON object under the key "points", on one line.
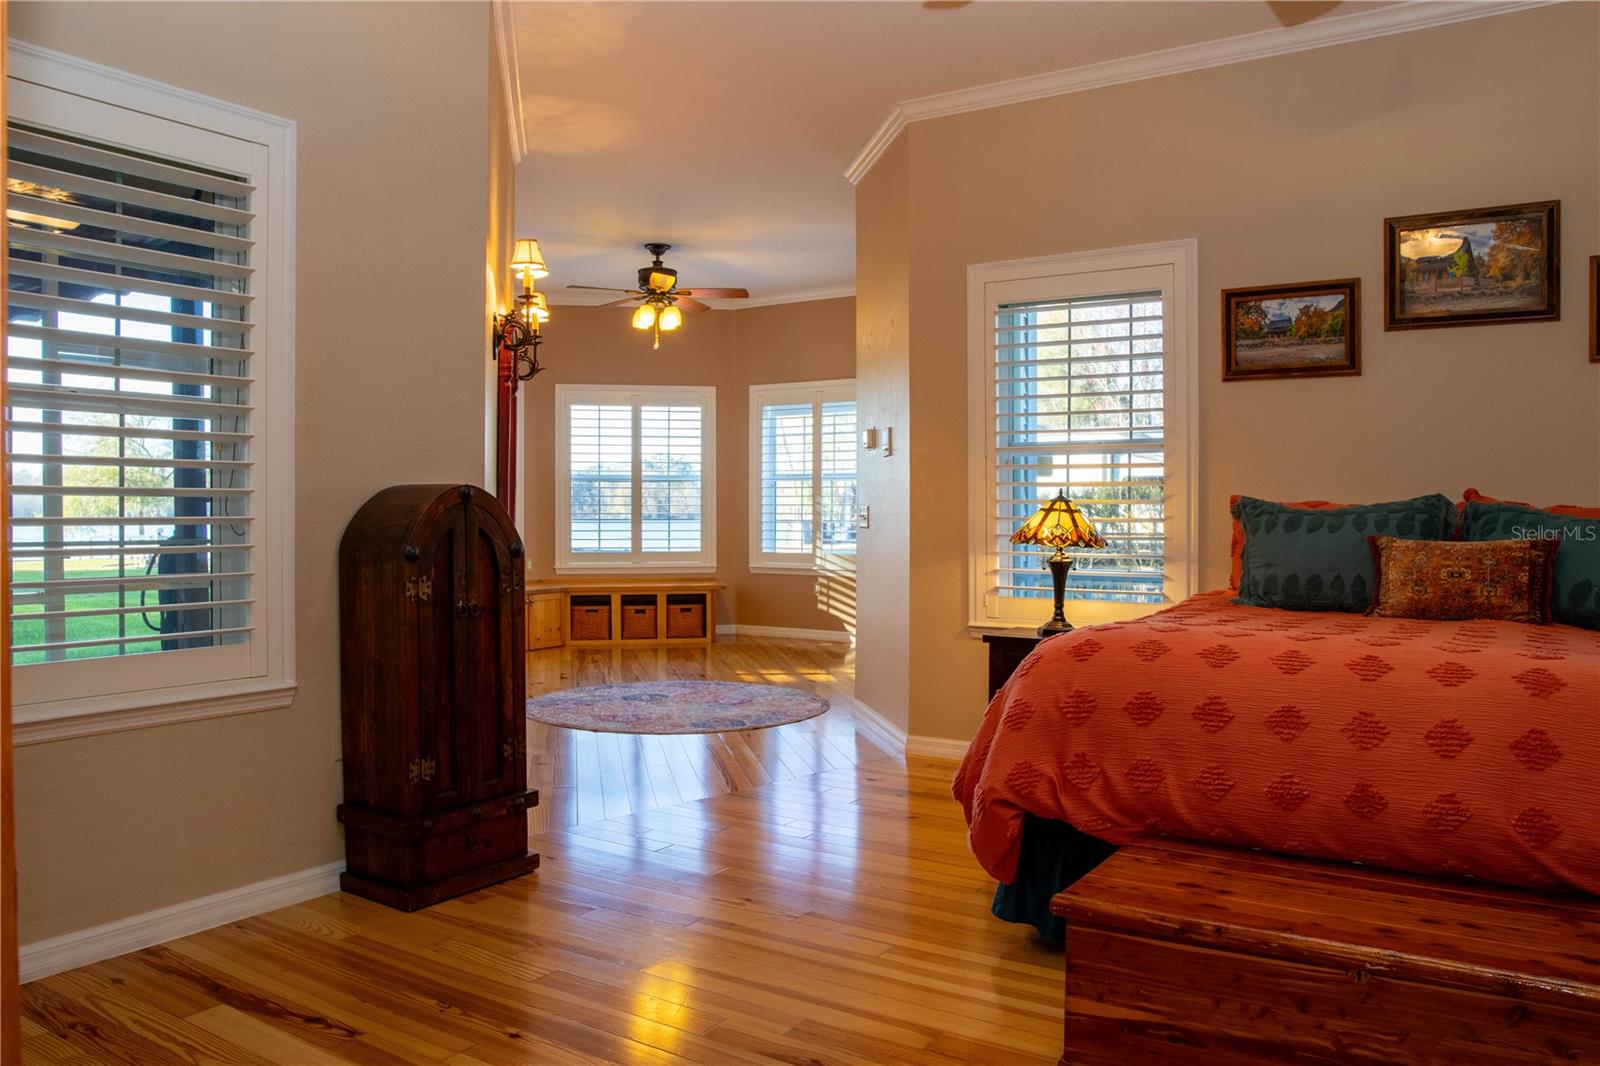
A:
{"points": [[396, 517]]}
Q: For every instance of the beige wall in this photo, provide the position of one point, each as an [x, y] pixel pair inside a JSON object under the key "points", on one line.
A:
{"points": [[1284, 170], [730, 350], [885, 551], [394, 148]]}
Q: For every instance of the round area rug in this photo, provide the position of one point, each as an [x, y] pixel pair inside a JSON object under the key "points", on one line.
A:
{"points": [[675, 707]]}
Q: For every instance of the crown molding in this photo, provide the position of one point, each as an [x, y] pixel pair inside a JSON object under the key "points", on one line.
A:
{"points": [[564, 298], [505, 42], [1404, 17]]}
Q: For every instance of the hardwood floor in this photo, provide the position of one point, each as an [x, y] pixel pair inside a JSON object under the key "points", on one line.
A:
{"points": [[793, 896], [586, 777]]}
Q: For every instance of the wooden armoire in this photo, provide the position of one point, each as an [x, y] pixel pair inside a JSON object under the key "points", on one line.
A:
{"points": [[435, 762]]}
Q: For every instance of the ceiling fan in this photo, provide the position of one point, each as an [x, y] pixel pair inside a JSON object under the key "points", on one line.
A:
{"points": [[661, 303]]}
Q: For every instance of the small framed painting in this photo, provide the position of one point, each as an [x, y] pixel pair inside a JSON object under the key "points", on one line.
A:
{"points": [[1311, 329], [1473, 268], [1594, 309]]}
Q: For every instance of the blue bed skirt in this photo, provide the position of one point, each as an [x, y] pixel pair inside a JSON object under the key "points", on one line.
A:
{"points": [[1053, 856]]}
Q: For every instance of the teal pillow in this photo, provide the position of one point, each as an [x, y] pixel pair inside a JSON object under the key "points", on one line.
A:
{"points": [[1575, 592], [1303, 560]]}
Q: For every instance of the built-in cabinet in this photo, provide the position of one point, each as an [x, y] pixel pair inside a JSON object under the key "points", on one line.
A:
{"points": [[627, 612]]}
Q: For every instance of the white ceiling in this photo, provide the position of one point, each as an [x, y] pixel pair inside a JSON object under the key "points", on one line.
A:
{"points": [[725, 128]]}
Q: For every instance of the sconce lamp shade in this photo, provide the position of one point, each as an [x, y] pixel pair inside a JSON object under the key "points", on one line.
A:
{"points": [[1058, 524], [535, 304], [526, 258]]}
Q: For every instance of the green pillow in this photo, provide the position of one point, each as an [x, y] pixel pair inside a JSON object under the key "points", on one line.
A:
{"points": [[1319, 560], [1575, 592]]}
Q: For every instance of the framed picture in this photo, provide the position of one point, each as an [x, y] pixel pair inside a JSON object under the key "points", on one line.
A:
{"points": [[1471, 268], [1594, 309], [1310, 329]]}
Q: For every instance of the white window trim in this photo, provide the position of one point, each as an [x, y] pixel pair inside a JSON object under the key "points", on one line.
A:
{"points": [[272, 682], [816, 393], [702, 562], [1182, 564]]}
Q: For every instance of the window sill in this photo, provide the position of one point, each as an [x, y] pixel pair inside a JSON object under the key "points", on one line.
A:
{"points": [[42, 723], [788, 568], [979, 630], [622, 569]]}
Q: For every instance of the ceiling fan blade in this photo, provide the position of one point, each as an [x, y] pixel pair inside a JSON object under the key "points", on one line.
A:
{"points": [[714, 294], [689, 303], [601, 288], [626, 301]]}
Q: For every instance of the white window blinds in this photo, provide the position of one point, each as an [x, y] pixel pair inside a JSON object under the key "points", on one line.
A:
{"points": [[131, 408], [637, 475], [788, 448], [803, 487], [671, 438], [600, 465], [1078, 388]]}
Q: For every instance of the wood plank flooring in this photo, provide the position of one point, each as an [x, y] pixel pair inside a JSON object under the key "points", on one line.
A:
{"points": [[588, 777], [793, 896]]}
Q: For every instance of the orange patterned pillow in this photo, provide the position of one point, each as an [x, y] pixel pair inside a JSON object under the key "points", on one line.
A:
{"points": [[1452, 580]]}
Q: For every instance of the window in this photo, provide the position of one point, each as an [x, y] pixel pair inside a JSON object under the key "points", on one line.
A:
{"points": [[148, 353], [637, 478], [802, 474], [1080, 383]]}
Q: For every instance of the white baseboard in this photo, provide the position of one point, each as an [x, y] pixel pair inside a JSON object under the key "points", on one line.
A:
{"points": [[937, 747], [878, 729], [830, 636], [71, 950]]}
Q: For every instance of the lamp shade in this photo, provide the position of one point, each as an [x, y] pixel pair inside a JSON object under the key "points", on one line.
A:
{"points": [[526, 258], [1058, 524], [669, 319], [536, 305]]}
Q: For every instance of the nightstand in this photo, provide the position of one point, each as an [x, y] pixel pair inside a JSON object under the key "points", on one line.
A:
{"points": [[1006, 652]]}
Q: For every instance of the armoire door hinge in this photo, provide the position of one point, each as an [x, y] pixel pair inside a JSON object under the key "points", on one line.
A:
{"points": [[419, 588]]}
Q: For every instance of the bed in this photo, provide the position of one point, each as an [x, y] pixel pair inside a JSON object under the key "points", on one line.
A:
{"points": [[1451, 748]]}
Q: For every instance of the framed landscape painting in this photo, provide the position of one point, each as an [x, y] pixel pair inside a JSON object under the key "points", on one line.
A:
{"points": [[1594, 309], [1469, 268], [1310, 329]]}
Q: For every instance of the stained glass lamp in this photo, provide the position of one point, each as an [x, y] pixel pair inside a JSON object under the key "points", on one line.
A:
{"points": [[1060, 525]]}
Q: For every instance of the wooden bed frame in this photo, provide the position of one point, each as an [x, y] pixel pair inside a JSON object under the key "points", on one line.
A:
{"points": [[1184, 954]]}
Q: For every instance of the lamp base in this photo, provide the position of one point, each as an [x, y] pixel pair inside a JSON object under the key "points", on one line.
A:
{"points": [[1059, 564]]}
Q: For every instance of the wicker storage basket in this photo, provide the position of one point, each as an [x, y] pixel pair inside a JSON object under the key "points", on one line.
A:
{"points": [[639, 622], [686, 620], [591, 621]]}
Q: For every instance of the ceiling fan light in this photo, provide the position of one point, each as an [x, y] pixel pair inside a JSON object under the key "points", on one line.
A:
{"points": [[661, 280], [644, 317], [526, 258], [670, 319]]}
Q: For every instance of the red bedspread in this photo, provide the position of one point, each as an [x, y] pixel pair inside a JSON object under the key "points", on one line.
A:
{"points": [[1439, 747]]}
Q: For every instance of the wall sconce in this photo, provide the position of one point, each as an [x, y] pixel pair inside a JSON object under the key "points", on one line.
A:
{"points": [[516, 334]]}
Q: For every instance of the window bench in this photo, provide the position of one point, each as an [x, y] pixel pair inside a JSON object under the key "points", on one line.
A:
{"points": [[625, 611]]}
